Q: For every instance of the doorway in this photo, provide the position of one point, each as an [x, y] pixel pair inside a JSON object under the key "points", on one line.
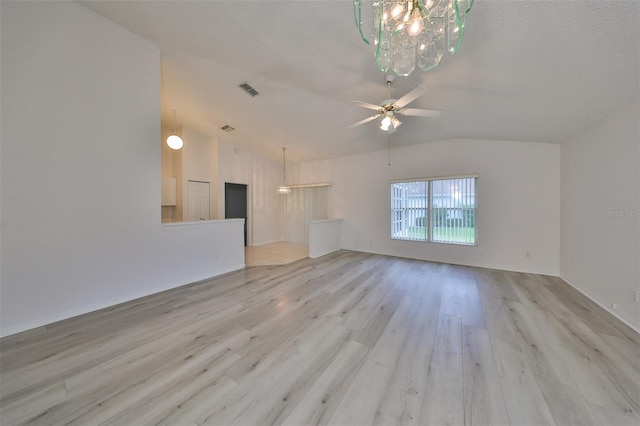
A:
{"points": [[235, 203], [198, 201]]}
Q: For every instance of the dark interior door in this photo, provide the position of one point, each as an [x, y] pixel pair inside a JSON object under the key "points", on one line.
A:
{"points": [[235, 203]]}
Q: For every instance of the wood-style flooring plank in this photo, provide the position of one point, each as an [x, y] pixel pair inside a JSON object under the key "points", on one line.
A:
{"points": [[359, 407], [483, 395], [322, 399], [524, 401], [443, 402], [567, 405], [406, 389]]}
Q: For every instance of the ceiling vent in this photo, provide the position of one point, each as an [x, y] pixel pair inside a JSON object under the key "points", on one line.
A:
{"points": [[250, 90], [227, 128]]}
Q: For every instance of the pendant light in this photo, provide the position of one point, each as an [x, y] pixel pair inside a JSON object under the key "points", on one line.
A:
{"points": [[284, 189], [174, 141]]}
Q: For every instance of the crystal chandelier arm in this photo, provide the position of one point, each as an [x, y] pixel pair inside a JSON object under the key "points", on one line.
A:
{"points": [[382, 39], [361, 122], [457, 21], [357, 13], [411, 96], [416, 112], [462, 7]]}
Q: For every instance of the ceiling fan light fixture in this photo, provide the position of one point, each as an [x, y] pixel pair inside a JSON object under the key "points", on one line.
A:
{"points": [[390, 107], [385, 123], [390, 123]]}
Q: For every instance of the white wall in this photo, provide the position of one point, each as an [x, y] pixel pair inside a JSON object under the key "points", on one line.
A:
{"points": [[199, 155], [171, 167], [518, 200], [237, 164], [600, 244], [268, 204], [80, 172], [325, 236]]}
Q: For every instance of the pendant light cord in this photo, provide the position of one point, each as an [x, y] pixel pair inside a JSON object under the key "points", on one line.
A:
{"points": [[284, 167], [175, 121]]}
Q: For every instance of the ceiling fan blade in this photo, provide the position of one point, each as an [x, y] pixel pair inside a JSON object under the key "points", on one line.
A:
{"points": [[411, 96], [417, 112], [367, 105], [366, 120]]}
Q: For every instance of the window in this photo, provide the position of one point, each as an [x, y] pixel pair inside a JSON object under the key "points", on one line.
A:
{"points": [[304, 204], [436, 210]]}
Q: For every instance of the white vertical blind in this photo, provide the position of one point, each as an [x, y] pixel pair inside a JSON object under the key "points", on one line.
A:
{"points": [[436, 210], [304, 205], [454, 211], [409, 210]]}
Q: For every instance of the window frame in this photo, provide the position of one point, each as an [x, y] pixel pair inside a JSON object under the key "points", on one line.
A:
{"points": [[429, 225]]}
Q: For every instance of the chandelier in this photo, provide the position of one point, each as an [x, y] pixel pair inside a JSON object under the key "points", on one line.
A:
{"points": [[411, 33]]}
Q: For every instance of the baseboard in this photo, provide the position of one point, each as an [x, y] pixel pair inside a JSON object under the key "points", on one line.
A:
{"points": [[483, 265], [264, 243], [630, 322], [44, 321]]}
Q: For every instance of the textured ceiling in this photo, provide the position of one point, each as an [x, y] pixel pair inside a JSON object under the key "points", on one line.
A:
{"points": [[539, 71]]}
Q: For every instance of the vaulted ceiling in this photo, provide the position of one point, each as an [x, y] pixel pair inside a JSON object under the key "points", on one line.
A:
{"points": [[540, 71]]}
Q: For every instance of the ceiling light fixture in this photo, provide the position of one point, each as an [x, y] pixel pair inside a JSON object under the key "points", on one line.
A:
{"points": [[174, 141], [284, 189], [390, 107], [385, 123], [410, 33]]}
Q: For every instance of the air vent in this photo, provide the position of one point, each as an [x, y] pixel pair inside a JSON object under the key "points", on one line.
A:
{"points": [[250, 90], [227, 128]]}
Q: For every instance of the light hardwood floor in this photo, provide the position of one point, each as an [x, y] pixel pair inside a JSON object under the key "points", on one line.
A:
{"points": [[279, 253], [350, 338]]}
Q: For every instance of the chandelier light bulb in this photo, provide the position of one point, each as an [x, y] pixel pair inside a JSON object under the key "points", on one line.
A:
{"points": [[415, 25], [396, 11]]}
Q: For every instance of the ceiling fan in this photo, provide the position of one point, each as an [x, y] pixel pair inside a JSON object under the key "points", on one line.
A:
{"points": [[389, 108]]}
